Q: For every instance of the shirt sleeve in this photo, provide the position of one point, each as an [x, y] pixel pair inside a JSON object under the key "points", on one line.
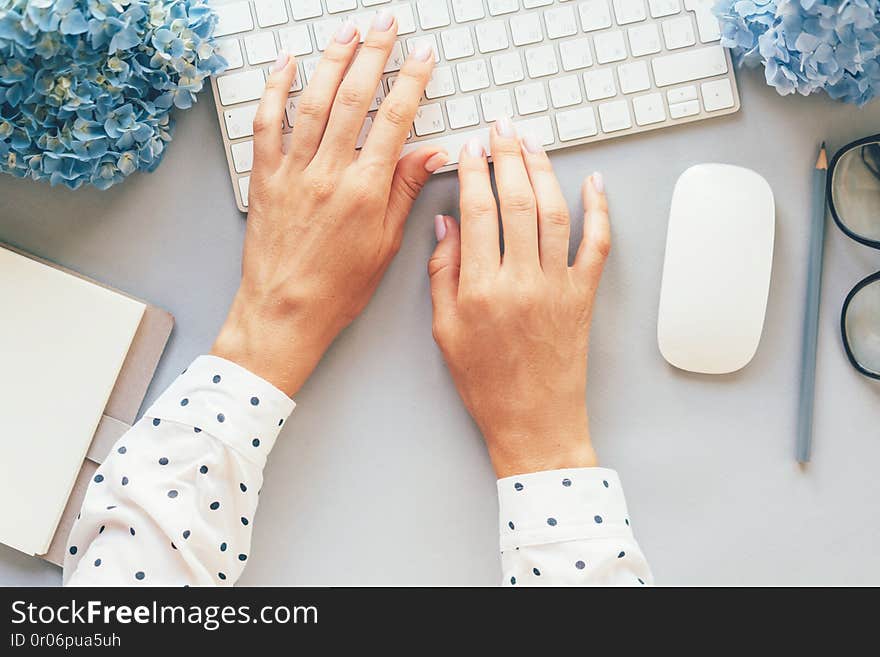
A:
{"points": [[174, 502], [568, 528]]}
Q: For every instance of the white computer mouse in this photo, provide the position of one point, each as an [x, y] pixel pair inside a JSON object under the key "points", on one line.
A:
{"points": [[716, 276]]}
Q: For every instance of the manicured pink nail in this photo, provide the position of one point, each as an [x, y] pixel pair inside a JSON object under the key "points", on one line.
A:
{"points": [[598, 182], [382, 20], [505, 128], [436, 161], [345, 33], [440, 227], [422, 52], [531, 144], [475, 148], [281, 62]]}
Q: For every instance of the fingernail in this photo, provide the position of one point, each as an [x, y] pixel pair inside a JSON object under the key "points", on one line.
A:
{"points": [[531, 144], [436, 161], [440, 227], [345, 33], [505, 128], [382, 20], [281, 62], [475, 148], [422, 52], [598, 182]]}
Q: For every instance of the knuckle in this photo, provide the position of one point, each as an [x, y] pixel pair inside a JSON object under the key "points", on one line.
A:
{"points": [[321, 188], [436, 265], [479, 207], [310, 108], [602, 246], [350, 97], [557, 216], [264, 120], [396, 112], [476, 297], [410, 187], [520, 203]]}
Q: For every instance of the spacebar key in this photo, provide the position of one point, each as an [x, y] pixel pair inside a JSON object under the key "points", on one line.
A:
{"points": [[689, 65], [541, 128]]}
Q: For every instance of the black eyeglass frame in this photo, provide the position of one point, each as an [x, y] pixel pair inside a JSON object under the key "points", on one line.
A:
{"points": [[874, 244]]}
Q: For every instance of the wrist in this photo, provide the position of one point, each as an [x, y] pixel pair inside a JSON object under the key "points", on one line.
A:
{"points": [[277, 344]]}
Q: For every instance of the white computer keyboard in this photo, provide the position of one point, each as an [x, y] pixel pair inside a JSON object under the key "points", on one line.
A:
{"points": [[567, 71]]}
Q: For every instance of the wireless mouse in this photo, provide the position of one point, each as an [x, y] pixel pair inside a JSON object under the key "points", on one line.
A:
{"points": [[716, 274]]}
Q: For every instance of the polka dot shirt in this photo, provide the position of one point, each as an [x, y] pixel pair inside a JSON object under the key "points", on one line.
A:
{"points": [[568, 528], [173, 503]]}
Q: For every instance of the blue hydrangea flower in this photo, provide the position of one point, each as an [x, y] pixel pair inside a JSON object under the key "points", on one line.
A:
{"points": [[808, 45], [87, 87]]}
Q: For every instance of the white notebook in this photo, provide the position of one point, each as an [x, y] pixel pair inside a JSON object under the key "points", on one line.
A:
{"points": [[62, 344]]}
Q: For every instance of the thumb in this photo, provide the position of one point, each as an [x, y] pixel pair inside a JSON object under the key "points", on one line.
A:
{"points": [[444, 267], [410, 176]]}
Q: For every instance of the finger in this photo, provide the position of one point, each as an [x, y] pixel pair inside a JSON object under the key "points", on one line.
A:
{"points": [[480, 251], [410, 176], [554, 225], [398, 110], [315, 103], [596, 243], [443, 269], [519, 212], [358, 90], [270, 114]]}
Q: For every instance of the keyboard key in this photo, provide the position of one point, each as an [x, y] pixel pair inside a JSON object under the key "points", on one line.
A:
{"points": [[575, 54], [462, 112], [233, 18], [496, 104], [442, 83], [541, 128], [560, 22], [473, 75], [241, 87], [707, 23], [467, 10], [406, 21], [576, 124], [679, 33], [303, 9], [525, 29], [629, 11], [270, 12], [541, 61], [230, 50], [240, 121], [244, 185], [260, 47], [242, 156], [378, 97], [649, 109], [432, 14], [644, 39], [532, 4], [660, 8], [336, 6], [689, 65], [565, 91], [595, 15], [428, 40], [295, 40], [633, 76], [457, 43], [290, 109], [610, 47], [530, 98], [499, 7], [680, 110], [599, 84], [492, 36], [615, 116], [325, 31], [396, 59], [681, 94], [717, 95], [507, 68], [429, 120]]}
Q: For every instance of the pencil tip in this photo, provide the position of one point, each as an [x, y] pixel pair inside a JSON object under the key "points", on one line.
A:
{"points": [[822, 162]]}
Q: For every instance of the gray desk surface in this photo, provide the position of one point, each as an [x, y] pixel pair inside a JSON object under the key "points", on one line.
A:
{"points": [[381, 477]]}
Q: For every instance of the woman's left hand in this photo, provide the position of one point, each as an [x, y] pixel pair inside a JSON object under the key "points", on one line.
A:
{"points": [[325, 220]]}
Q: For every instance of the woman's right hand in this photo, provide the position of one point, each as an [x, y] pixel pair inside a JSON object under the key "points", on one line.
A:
{"points": [[514, 330]]}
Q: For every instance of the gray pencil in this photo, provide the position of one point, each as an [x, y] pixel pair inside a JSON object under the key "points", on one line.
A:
{"points": [[811, 314]]}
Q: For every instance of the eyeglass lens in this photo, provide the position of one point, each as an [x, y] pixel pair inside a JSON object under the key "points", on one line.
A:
{"points": [[855, 190], [862, 327]]}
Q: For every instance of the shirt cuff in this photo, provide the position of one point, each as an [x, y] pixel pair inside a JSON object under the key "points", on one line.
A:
{"points": [[561, 505], [228, 402]]}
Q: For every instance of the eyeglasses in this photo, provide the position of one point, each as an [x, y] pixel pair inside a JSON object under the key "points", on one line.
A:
{"points": [[853, 193]]}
